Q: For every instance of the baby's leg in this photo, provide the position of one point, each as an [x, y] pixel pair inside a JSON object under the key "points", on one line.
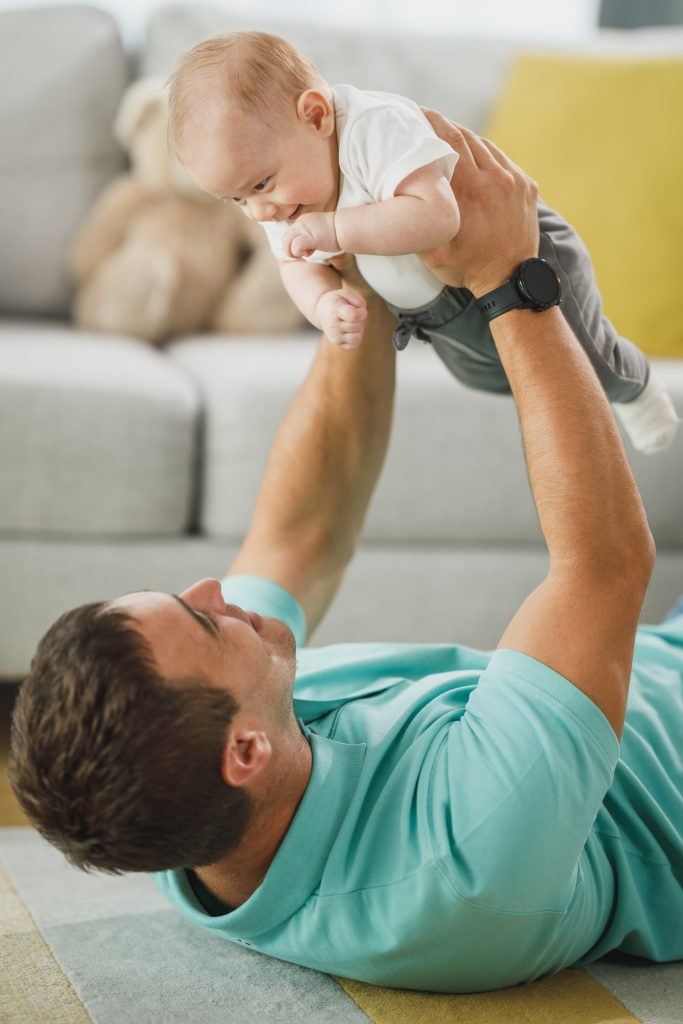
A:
{"points": [[622, 368], [461, 337], [640, 402]]}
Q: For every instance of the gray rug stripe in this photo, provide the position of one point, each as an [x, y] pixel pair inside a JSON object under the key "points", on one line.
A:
{"points": [[129, 956], [653, 992]]}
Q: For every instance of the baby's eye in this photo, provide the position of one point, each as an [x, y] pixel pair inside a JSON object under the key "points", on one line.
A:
{"points": [[261, 185]]}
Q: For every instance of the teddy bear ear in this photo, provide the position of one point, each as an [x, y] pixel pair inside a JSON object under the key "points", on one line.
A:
{"points": [[143, 97]]}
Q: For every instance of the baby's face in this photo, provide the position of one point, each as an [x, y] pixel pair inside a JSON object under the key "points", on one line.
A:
{"points": [[271, 175]]}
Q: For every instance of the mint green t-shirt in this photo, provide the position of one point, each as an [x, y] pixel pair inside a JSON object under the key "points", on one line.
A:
{"points": [[471, 821]]}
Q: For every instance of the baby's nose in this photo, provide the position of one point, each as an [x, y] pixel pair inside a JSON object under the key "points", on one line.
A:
{"points": [[262, 210]]}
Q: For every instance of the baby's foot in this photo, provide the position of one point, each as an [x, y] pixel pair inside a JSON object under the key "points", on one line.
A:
{"points": [[650, 420]]}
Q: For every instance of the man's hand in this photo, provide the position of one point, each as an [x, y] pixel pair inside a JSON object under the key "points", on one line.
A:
{"points": [[497, 200], [309, 232], [340, 315]]}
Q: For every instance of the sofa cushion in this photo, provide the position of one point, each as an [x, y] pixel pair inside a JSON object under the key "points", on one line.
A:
{"points": [[98, 434], [454, 472], [459, 74], [62, 74], [582, 126]]}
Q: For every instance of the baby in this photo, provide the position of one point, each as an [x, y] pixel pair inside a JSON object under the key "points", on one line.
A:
{"points": [[329, 169]]}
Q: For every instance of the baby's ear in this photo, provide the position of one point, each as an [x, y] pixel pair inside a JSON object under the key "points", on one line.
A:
{"points": [[314, 108], [143, 98]]}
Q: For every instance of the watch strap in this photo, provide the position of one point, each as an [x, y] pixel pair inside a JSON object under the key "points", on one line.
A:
{"points": [[500, 300]]}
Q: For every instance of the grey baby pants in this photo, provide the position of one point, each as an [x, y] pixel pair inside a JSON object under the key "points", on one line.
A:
{"points": [[460, 334]]}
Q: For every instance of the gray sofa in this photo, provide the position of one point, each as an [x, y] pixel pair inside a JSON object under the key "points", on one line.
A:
{"points": [[124, 466]]}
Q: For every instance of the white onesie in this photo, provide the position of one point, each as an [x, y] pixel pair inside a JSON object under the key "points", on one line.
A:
{"points": [[382, 139]]}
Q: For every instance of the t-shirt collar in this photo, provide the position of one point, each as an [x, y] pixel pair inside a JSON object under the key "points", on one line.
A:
{"points": [[297, 867]]}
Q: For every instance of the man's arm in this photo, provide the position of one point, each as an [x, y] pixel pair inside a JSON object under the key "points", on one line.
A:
{"points": [[581, 620], [324, 464]]}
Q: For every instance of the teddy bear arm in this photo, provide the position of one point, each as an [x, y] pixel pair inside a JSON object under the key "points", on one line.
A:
{"points": [[105, 227], [256, 301]]}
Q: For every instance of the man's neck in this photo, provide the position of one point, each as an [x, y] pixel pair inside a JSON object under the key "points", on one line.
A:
{"points": [[236, 877]]}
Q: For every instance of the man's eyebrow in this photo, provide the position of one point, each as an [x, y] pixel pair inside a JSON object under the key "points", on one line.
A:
{"points": [[203, 621]]}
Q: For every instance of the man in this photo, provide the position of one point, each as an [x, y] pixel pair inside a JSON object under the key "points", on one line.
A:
{"points": [[426, 816]]}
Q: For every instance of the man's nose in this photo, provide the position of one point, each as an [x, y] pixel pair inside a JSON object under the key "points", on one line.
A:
{"points": [[206, 592], [262, 209]]}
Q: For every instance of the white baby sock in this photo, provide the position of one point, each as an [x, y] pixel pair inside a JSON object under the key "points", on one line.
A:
{"points": [[650, 420]]}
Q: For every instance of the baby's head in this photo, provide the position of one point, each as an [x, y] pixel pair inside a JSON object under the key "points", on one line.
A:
{"points": [[252, 122]]}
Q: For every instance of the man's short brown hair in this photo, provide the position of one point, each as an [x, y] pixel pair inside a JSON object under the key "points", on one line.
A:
{"points": [[115, 765]]}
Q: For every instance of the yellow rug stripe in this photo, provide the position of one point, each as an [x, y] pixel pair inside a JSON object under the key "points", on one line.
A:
{"points": [[33, 987], [570, 997]]}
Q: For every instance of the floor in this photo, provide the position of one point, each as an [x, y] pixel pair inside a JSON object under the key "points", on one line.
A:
{"points": [[10, 812]]}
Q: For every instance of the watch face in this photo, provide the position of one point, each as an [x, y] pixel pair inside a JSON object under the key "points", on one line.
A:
{"points": [[539, 281]]}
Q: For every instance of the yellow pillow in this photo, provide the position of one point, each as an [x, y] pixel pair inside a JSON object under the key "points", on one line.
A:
{"points": [[603, 137]]}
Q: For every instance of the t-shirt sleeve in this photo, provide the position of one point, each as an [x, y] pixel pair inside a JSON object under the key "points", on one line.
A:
{"points": [[388, 143], [257, 594], [525, 770]]}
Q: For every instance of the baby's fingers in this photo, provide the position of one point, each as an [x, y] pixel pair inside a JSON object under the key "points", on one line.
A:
{"points": [[352, 298], [301, 247], [351, 341], [351, 335], [352, 312], [351, 315]]}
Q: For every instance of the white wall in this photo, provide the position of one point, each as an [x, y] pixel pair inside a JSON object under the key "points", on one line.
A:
{"points": [[528, 19]]}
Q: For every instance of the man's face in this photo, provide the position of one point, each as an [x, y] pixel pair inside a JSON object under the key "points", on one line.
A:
{"points": [[272, 175], [196, 635]]}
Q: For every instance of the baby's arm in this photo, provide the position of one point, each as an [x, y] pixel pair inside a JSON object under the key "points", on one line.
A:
{"points": [[315, 289], [422, 215]]}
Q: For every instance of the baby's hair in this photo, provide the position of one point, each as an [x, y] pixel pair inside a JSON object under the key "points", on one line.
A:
{"points": [[254, 71]]}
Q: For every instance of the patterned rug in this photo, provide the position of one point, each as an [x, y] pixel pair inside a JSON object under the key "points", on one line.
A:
{"points": [[78, 948]]}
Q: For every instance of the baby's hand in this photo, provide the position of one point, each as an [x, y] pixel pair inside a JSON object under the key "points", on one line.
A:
{"points": [[340, 315], [309, 232]]}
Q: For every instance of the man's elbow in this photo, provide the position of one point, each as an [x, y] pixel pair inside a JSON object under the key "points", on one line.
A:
{"points": [[628, 564], [647, 556]]}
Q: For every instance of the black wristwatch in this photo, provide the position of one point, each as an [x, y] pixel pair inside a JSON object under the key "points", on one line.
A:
{"points": [[534, 285]]}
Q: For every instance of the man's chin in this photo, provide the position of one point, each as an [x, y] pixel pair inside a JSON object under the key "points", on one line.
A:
{"points": [[278, 634], [288, 643]]}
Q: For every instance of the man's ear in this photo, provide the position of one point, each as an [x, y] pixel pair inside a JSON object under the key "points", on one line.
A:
{"points": [[246, 753], [315, 110]]}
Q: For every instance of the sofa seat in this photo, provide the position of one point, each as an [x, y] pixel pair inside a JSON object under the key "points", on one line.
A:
{"points": [[455, 470], [99, 434]]}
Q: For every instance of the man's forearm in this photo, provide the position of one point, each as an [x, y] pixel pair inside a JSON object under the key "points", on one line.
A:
{"points": [[323, 467], [587, 500]]}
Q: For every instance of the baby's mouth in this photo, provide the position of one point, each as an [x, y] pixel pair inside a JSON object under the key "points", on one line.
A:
{"points": [[295, 214]]}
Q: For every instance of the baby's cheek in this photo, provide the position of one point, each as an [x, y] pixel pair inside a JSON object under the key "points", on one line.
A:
{"points": [[289, 197]]}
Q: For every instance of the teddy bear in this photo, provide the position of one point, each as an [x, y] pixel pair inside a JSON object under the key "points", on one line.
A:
{"points": [[158, 257]]}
